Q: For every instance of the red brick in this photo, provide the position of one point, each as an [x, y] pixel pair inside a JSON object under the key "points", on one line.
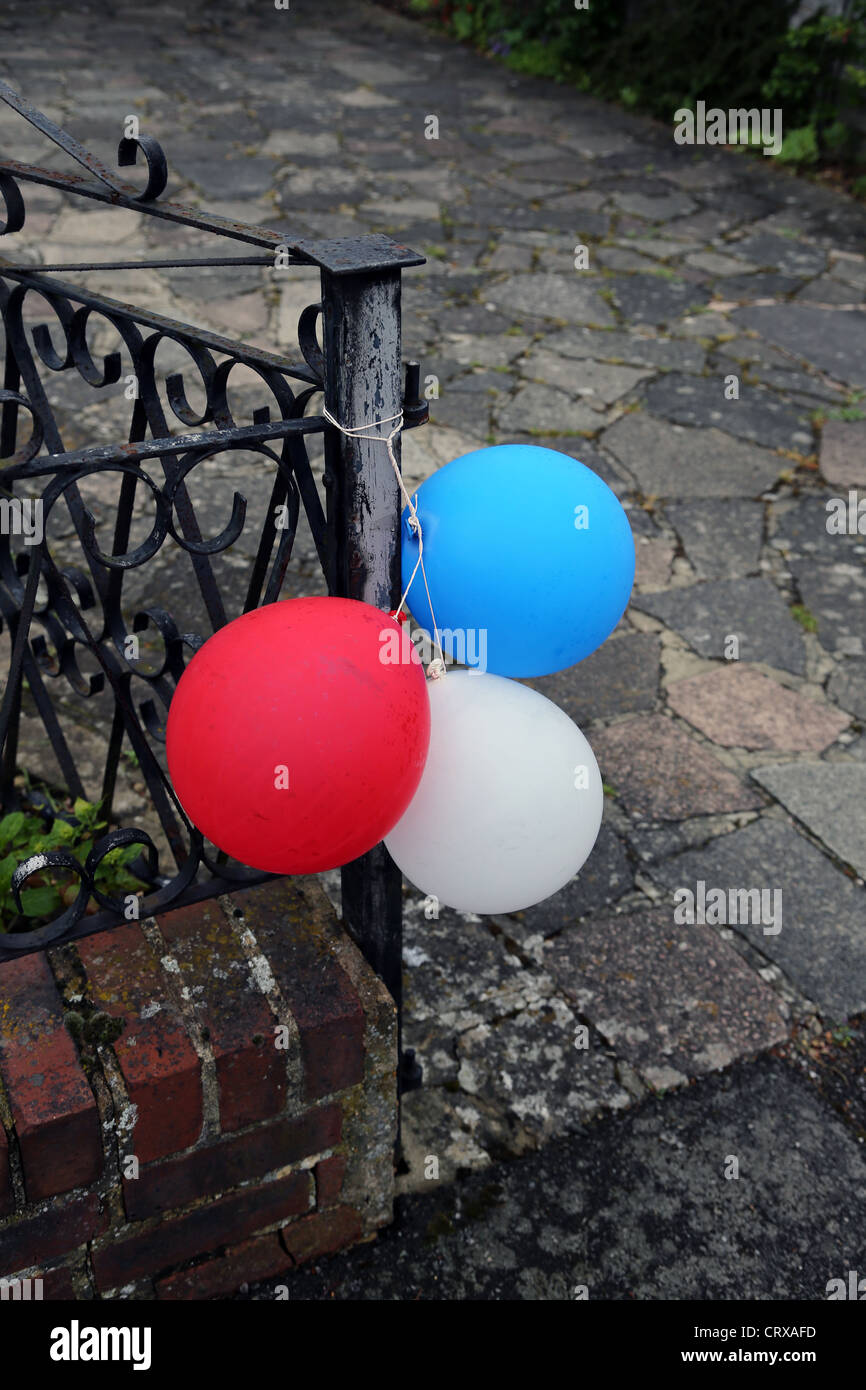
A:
{"points": [[323, 1233], [178, 1181], [251, 1074], [200, 1232], [53, 1233], [52, 1106], [283, 915], [56, 1284], [159, 1063], [259, 1258], [7, 1197], [329, 1180]]}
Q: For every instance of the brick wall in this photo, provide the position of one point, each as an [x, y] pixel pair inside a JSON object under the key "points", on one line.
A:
{"points": [[194, 1102]]}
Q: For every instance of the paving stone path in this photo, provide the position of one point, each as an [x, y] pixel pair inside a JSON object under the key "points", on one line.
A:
{"points": [[708, 364]]}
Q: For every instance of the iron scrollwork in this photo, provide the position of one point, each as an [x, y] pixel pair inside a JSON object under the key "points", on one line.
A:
{"points": [[76, 593]]}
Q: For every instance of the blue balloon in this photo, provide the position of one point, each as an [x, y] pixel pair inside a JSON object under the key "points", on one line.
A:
{"points": [[529, 560]]}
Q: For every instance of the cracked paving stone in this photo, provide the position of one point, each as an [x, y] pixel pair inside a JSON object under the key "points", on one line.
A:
{"points": [[597, 382], [830, 573], [752, 610], [654, 299], [799, 384], [605, 877], [633, 1208], [828, 798], [782, 253], [457, 975], [826, 290], [833, 340], [653, 843], [619, 677], [757, 415], [740, 708], [530, 1082], [550, 296], [544, 410], [661, 208], [674, 1000], [466, 411], [769, 286], [676, 461], [662, 774], [800, 533], [821, 946], [847, 686], [722, 539], [670, 353]]}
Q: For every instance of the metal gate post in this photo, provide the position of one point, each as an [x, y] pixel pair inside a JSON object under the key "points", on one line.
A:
{"points": [[363, 383]]}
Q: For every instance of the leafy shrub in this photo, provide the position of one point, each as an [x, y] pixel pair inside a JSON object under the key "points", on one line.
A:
{"points": [[25, 833], [671, 56]]}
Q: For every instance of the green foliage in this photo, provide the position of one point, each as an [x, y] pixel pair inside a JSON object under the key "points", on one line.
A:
{"points": [[806, 619], [26, 833], [668, 57], [800, 147]]}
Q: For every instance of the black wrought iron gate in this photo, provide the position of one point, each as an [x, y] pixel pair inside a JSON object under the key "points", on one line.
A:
{"points": [[56, 609]]}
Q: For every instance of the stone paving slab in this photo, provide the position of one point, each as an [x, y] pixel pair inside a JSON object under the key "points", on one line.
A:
{"points": [[620, 677], [637, 1208], [843, 452], [752, 610], [847, 686], [828, 798], [672, 461], [822, 943], [675, 1000], [833, 340], [662, 774], [756, 414], [722, 538], [740, 708]]}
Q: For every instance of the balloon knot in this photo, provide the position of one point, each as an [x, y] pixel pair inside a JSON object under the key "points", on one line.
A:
{"points": [[400, 616], [436, 669]]}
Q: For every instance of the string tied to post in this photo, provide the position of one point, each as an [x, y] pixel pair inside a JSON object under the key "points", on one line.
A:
{"points": [[437, 667]]}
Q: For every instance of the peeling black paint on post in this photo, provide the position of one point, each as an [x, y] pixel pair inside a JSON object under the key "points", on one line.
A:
{"points": [[361, 340]]}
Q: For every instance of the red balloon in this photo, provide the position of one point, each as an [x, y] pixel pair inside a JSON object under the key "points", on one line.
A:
{"points": [[298, 733]]}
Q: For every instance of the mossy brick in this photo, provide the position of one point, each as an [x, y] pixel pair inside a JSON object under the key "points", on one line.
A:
{"points": [[286, 918], [7, 1200], [176, 1182], [160, 1066], [230, 1220], [53, 1233], [322, 1233], [329, 1180], [251, 1073], [52, 1106], [262, 1257]]}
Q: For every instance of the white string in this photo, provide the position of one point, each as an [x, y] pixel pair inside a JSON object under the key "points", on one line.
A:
{"points": [[437, 667]]}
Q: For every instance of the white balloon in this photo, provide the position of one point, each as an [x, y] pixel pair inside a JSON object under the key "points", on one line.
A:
{"points": [[510, 801]]}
